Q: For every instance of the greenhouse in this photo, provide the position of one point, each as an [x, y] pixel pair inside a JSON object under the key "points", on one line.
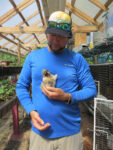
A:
{"points": [[56, 60]]}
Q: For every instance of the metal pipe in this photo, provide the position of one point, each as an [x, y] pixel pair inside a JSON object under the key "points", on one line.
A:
{"points": [[95, 104]]}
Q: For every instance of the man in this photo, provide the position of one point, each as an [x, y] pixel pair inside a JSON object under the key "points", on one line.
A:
{"points": [[54, 111]]}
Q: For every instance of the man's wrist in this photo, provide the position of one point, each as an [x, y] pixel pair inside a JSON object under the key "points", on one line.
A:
{"points": [[32, 112], [68, 100]]}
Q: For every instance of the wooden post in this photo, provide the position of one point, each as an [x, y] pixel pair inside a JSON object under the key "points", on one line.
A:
{"points": [[19, 54], [80, 38], [95, 60], [15, 119], [16, 133]]}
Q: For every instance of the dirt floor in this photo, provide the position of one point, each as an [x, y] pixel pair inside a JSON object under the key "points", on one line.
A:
{"points": [[6, 130]]}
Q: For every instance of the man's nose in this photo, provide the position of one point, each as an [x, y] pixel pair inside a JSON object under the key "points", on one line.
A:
{"points": [[57, 37]]}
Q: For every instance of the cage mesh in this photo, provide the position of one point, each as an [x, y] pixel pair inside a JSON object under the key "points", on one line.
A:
{"points": [[103, 124]]}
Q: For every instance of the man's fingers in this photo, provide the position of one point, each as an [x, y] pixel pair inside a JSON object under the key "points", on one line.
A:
{"points": [[52, 89], [50, 93], [40, 121], [36, 117], [53, 93], [45, 126], [44, 88], [42, 127]]}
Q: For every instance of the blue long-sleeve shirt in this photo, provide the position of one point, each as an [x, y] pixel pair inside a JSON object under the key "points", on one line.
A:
{"points": [[73, 71]]}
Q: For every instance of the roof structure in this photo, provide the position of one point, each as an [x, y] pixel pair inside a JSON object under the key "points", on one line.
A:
{"points": [[23, 22]]}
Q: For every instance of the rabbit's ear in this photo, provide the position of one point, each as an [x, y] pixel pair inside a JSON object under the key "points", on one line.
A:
{"points": [[55, 76]]}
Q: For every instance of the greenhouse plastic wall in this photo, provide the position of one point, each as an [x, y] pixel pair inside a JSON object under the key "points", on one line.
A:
{"points": [[109, 23]]}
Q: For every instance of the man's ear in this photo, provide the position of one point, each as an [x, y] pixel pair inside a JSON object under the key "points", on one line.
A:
{"points": [[46, 35], [70, 42]]}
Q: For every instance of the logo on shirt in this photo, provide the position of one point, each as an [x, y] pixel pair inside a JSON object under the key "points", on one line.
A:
{"points": [[68, 65]]}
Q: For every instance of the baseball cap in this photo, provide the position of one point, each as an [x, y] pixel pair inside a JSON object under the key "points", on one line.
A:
{"points": [[59, 23]]}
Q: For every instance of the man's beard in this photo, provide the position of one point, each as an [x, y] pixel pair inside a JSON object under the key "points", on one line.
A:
{"points": [[61, 49]]}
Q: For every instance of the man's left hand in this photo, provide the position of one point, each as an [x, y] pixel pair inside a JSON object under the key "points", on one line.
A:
{"points": [[55, 93]]}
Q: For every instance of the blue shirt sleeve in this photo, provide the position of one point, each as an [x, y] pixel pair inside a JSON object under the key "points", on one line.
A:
{"points": [[23, 86], [85, 81]]}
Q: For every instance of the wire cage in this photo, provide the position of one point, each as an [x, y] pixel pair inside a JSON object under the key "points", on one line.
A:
{"points": [[103, 124]]}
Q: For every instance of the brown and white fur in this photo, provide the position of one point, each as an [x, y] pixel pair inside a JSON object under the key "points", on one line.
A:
{"points": [[49, 80]]}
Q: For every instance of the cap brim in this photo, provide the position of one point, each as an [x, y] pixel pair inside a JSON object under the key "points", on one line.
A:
{"points": [[63, 33]]}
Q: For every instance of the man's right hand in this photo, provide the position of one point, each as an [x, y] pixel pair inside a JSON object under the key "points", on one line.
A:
{"points": [[38, 122]]}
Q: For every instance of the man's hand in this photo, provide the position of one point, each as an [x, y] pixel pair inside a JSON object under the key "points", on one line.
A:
{"points": [[55, 93], [38, 122]]}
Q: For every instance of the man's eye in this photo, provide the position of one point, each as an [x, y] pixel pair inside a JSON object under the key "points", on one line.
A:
{"points": [[53, 35]]}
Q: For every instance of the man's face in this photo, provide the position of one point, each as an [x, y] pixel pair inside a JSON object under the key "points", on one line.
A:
{"points": [[56, 42]]}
